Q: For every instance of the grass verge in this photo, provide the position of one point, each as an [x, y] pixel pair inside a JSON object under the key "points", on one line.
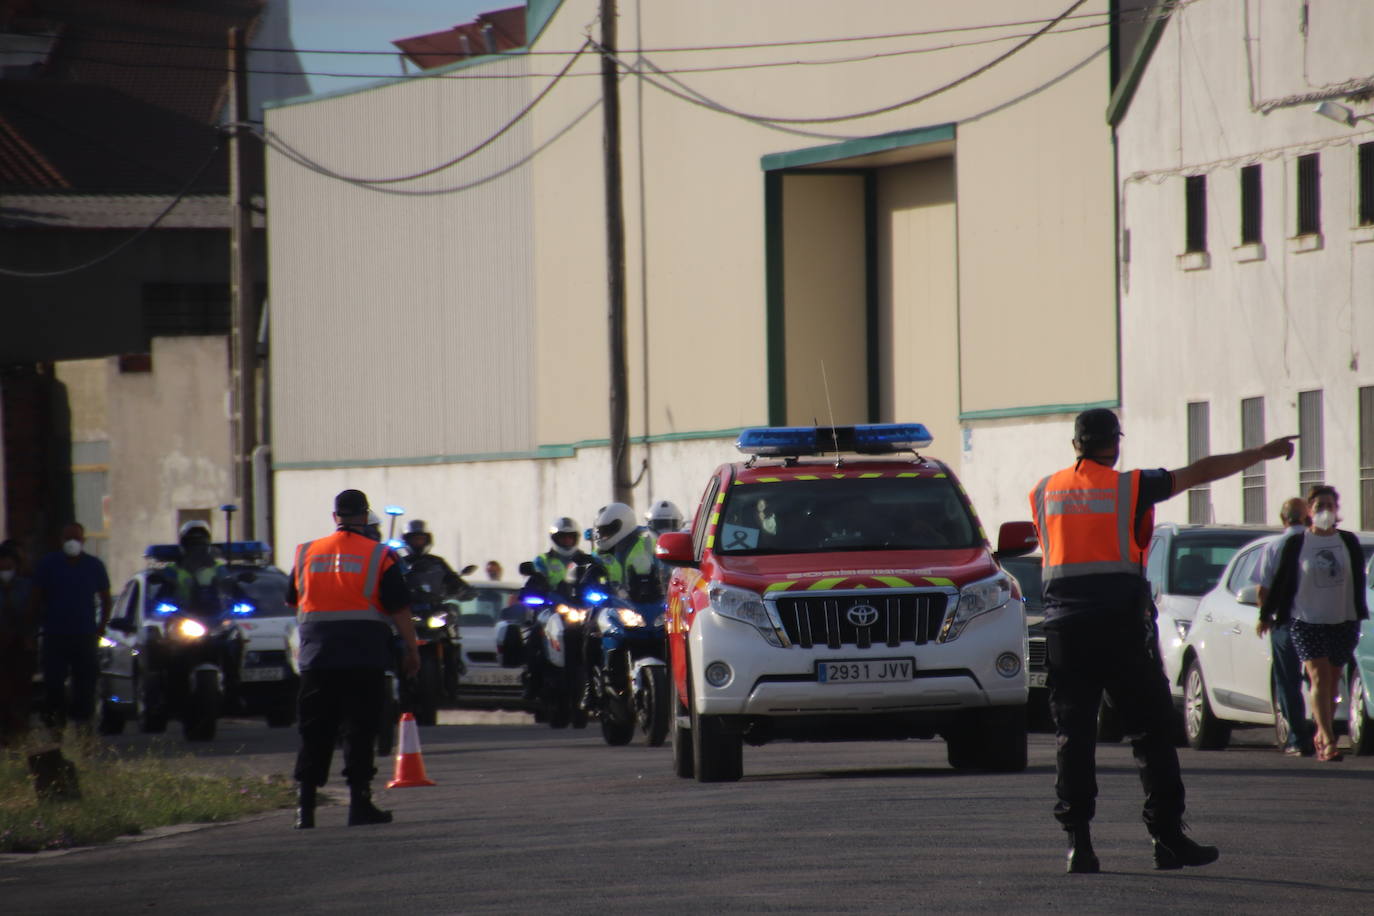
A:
{"points": [[124, 794]]}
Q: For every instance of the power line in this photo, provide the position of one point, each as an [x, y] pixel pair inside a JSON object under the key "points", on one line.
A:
{"points": [[945, 87], [181, 195], [1120, 15], [282, 145]]}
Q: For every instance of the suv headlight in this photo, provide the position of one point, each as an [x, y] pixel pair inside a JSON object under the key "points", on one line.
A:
{"points": [[747, 607], [975, 599]]}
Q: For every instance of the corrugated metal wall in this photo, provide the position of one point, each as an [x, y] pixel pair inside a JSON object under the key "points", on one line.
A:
{"points": [[450, 374]]}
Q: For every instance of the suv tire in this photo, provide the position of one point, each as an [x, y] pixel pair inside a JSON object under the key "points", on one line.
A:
{"points": [[1361, 725], [717, 755]]}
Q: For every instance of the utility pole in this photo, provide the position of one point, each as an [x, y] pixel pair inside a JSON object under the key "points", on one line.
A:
{"points": [[615, 258], [243, 337]]}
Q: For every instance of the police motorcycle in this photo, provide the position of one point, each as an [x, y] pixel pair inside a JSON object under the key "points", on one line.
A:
{"points": [[173, 653], [626, 670], [435, 592], [551, 646]]}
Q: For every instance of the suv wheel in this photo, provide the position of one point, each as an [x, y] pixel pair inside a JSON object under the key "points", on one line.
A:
{"points": [[717, 756], [1205, 731], [1002, 736]]}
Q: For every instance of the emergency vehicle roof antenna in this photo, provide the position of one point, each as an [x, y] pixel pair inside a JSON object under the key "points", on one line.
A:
{"points": [[834, 438]]}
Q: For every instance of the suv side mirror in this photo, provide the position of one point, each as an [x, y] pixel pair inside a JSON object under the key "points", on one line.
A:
{"points": [[1016, 538], [675, 548], [1249, 595]]}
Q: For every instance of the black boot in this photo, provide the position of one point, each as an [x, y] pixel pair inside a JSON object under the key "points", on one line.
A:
{"points": [[305, 806], [1174, 850], [1082, 859], [361, 811]]}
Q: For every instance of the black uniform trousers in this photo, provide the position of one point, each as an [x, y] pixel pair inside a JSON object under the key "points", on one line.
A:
{"points": [[76, 657], [339, 698], [1117, 653]]}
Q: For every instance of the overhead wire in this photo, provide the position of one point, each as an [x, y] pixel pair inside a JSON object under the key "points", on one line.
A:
{"points": [[180, 196], [282, 145]]}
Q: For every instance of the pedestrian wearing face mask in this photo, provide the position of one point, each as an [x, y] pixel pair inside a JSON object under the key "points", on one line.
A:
{"points": [[71, 591], [18, 647], [1319, 585]]}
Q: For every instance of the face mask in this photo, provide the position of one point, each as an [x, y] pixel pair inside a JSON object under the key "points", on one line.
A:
{"points": [[72, 548], [1324, 519], [6, 575]]}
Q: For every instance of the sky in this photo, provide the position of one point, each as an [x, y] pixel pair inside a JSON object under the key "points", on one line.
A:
{"points": [[370, 25]]}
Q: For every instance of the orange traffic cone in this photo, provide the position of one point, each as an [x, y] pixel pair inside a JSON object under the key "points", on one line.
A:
{"points": [[410, 766]]}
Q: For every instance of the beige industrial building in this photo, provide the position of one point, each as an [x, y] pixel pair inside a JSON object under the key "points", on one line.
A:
{"points": [[902, 213]]}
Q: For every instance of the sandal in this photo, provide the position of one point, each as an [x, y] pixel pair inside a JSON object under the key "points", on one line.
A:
{"points": [[1328, 753]]}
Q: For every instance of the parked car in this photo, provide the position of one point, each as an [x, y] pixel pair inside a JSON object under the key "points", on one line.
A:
{"points": [[485, 682], [1361, 680], [1026, 570], [1227, 678], [837, 585]]}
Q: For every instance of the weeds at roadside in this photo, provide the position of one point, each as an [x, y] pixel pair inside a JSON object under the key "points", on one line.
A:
{"points": [[123, 793]]}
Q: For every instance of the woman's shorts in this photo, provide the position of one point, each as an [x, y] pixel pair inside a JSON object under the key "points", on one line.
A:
{"points": [[1334, 641]]}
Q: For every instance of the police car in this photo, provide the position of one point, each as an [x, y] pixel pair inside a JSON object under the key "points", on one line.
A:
{"points": [[837, 584]]}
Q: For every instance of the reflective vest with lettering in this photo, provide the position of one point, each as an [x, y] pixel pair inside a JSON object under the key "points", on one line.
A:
{"points": [[337, 578], [638, 559], [1086, 519]]}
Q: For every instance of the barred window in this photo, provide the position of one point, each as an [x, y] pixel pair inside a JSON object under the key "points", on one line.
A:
{"points": [[1309, 195], [1251, 205], [1195, 194], [1311, 445], [1199, 446], [1252, 478]]}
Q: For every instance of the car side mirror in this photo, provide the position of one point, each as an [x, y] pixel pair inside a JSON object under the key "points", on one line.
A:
{"points": [[675, 549], [1249, 595], [1016, 538], [468, 570]]}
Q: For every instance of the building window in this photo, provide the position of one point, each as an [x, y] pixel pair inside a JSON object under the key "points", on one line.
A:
{"points": [[1199, 447], [1195, 192], [1252, 478], [1251, 205], [1366, 184], [1309, 196], [1311, 447], [1367, 459]]}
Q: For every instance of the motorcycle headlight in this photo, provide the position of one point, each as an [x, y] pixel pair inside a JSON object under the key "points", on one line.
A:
{"points": [[631, 618], [107, 643], [187, 628], [974, 600], [437, 622], [748, 607], [572, 614]]}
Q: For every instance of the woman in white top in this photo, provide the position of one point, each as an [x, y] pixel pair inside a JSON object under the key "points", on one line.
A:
{"points": [[1319, 585]]}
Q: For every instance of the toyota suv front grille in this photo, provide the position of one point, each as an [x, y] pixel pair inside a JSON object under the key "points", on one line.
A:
{"points": [[861, 620]]}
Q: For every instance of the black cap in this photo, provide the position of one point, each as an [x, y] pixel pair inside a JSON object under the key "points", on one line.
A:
{"points": [[350, 503], [1095, 425]]}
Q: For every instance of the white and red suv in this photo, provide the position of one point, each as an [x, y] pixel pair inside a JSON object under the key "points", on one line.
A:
{"points": [[838, 585]]}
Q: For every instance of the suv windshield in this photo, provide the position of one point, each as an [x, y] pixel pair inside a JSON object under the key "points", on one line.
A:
{"points": [[852, 513], [485, 609], [1198, 558]]}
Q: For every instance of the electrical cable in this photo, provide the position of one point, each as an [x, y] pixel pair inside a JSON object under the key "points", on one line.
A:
{"points": [[831, 119], [307, 163], [282, 145], [181, 195]]}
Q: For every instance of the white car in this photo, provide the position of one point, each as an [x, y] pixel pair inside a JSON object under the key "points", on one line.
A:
{"points": [[1227, 666], [486, 682]]}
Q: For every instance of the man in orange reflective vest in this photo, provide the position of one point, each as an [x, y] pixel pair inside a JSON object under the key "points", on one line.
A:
{"points": [[348, 590], [1095, 524]]}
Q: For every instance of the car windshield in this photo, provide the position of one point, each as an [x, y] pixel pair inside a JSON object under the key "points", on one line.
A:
{"points": [[1198, 559], [1026, 571], [851, 513], [264, 587], [485, 609]]}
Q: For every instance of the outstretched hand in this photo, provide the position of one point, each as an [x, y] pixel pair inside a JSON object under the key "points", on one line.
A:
{"points": [[1282, 446]]}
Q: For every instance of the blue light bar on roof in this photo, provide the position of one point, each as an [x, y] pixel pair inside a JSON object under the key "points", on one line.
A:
{"points": [[234, 550], [867, 439]]}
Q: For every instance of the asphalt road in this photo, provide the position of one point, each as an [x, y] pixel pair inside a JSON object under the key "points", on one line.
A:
{"points": [[528, 820]]}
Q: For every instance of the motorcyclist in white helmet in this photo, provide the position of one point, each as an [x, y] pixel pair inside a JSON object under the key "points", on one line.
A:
{"points": [[626, 551], [563, 553], [664, 516], [192, 577]]}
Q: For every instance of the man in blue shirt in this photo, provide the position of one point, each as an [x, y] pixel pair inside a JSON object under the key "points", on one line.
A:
{"points": [[67, 585]]}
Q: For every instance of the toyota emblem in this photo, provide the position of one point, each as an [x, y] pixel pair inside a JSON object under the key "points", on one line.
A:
{"points": [[862, 615]]}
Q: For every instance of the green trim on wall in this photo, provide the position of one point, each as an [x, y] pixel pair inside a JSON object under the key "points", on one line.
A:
{"points": [[775, 304], [537, 16], [561, 450], [873, 340], [815, 155], [1135, 70], [1037, 410]]}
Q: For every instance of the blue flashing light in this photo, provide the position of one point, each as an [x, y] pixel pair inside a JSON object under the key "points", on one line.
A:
{"points": [[533, 600], [242, 609], [595, 596], [233, 550], [867, 439], [395, 510], [395, 543], [115, 700], [164, 609]]}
